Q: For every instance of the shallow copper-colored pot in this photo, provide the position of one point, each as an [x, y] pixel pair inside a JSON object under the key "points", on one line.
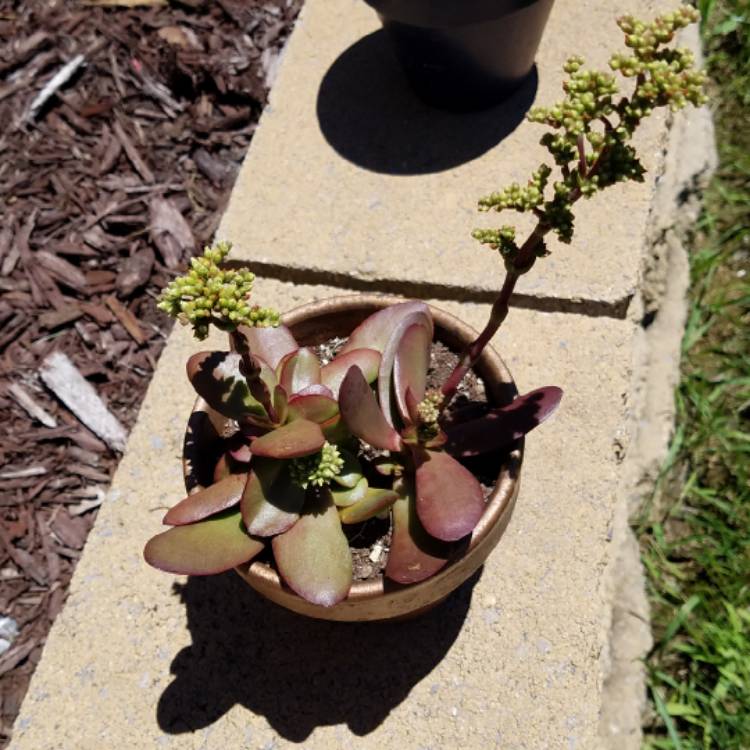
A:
{"points": [[381, 599]]}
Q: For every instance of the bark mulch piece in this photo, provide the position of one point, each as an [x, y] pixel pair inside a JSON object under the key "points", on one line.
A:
{"points": [[122, 132]]}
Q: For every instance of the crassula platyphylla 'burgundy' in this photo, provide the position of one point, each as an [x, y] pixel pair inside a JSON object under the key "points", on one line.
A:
{"points": [[317, 446]]}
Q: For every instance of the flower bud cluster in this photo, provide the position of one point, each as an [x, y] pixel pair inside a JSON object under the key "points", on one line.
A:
{"points": [[209, 294], [318, 469], [590, 128], [517, 197], [428, 411]]}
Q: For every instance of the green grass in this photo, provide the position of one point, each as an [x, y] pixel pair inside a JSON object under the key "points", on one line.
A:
{"points": [[695, 532]]}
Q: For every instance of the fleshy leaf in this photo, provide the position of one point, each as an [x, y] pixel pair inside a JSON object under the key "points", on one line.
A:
{"points": [[362, 415], [368, 360], [351, 472], [208, 501], [343, 498], [298, 438], [315, 408], [280, 404], [227, 465], [375, 501], [410, 368], [271, 502], [375, 331], [449, 498], [316, 390], [216, 378], [414, 555], [270, 344], [299, 370], [211, 546], [313, 556], [501, 427]]}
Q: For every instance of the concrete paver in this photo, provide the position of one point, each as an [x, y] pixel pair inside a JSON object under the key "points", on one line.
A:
{"points": [[511, 661], [392, 214]]}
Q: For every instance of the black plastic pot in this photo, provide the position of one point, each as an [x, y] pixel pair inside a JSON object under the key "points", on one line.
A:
{"points": [[464, 54]]}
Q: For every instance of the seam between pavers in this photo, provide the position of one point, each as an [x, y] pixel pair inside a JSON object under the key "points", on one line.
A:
{"points": [[592, 308]]}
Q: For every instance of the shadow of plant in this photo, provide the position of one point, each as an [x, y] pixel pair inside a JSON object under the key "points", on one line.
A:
{"points": [[368, 113], [299, 673]]}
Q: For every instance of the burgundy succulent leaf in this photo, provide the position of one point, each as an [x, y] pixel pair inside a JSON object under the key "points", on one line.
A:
{"points": [[316, 390], [299, 370], [502, 426], [376, 330], [450, 501], [315, 408], [414, 555], [270, 344], [298, 438], [210, 546], [208, 501], [368, 360], [217, 379], [313, 556], [410, 369], [362, 415], [375, 501], [271, 501]]}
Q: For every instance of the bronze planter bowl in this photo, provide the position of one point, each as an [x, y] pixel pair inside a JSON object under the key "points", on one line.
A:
{"points": [[378, 599]]}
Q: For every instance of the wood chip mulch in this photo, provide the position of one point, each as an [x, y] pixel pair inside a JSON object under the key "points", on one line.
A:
{"points": [[122, 127]]}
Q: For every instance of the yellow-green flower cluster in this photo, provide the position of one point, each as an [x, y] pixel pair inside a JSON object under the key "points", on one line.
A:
{"points": [[208, 294], [517, 197], [590, 128], [428, 411], [318, 469]]}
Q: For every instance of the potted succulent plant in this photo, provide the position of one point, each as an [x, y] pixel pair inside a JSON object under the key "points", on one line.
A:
{"points": [[464, 55], [307, 431]]}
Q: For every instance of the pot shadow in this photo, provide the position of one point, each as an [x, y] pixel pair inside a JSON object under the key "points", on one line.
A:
{"points": [[368, 113], [299, 673]]}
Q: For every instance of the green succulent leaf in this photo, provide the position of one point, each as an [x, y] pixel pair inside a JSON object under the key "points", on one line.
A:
{"points": [[410, 367], [217, 379], [313, 556], [270, 344], [210, 546], [414, 555], [208, 501], [450, 501], [314, 407], [352, 495], [362, 415], [298, 438], [299, 370], [368, 360], [271, 501], [374, 502], [351, 472]]}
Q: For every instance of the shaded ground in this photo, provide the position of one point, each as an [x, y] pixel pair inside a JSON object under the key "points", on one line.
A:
{"points": [[106, 189]]}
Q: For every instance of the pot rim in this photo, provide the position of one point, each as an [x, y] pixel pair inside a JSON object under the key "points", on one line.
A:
{"points": [[445, 14], [265, 578]]}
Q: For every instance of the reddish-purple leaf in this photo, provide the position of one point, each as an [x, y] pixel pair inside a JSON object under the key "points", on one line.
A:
{"points": [[501, 427], [414, 555], [375, 331], [315, 408], [410, 367], [368, 360], [412, 403], [211, 546], [271, 502], [299, 370], [362, 415], [271, 344], [375, 501], [385, 374], [298, 438], [449, 498], [313, 556], [208, 501], [241, 453]]}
